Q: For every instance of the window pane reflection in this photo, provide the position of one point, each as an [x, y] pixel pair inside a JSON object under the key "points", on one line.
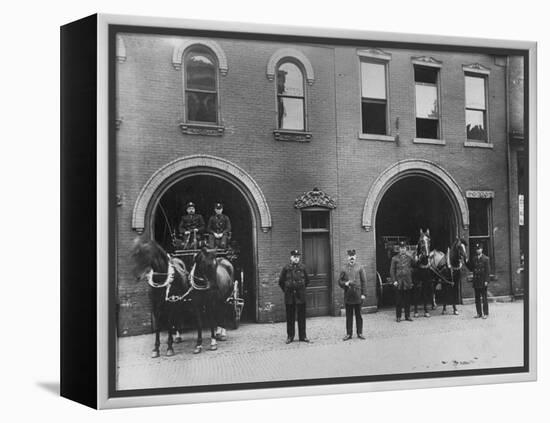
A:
{"points": [[290, 80], [373, 77], [426, 102], [475, 125], [291, 113], [201, 107], [201, 72], [475, 92]]}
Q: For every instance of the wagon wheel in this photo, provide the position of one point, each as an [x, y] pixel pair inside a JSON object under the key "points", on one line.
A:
{"points": [[236, 306]]}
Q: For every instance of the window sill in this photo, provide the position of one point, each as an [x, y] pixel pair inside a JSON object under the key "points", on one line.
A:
{"points": [[430, 141], [478, 144], [376, 137], [202, 129], [288, 135]]}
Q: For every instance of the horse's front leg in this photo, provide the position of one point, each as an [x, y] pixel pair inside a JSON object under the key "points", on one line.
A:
{"points": [[198, 319], [155, 353], [221, 334], [212, 320]]}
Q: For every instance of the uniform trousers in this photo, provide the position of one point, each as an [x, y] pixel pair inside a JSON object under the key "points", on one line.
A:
{"points": [[422, 294], [350, 309], [291, 311], [217, 242], [403, 300], [481, 296]]}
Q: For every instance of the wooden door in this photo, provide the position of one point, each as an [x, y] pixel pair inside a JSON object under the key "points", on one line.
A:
{"points": [[316, 247]]}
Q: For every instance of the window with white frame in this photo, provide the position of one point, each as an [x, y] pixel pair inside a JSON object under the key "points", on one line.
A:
{"points": [[290, 97], [374, 101], [426, 79], [476, 107], [201, 86]]}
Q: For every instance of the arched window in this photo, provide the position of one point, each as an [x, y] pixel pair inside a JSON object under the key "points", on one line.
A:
{"points": [[201, 86], [290, 97]]}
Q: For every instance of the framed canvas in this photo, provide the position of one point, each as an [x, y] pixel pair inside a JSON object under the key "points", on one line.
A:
{"points": [[254, 211]]}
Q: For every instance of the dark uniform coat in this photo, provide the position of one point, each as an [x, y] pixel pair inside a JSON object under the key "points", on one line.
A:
{"points": [[189, 222], [401, 269], [355, 274], [480, 267], [219, 223], [293, 280]]}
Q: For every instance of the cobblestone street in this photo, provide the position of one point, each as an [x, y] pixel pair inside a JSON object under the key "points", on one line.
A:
{"points": [[258, 353]]}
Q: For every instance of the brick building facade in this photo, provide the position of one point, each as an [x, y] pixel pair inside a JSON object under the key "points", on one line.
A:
{"points": [[414, 170]]}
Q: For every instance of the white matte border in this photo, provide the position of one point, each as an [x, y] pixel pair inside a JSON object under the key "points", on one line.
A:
{"points": [[102, 215]]}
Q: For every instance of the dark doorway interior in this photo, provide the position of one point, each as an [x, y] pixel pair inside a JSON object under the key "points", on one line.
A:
{"points": [[410, 204], [205, 191]]}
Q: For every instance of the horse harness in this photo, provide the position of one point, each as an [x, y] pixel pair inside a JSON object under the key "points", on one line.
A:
{"points": [[170, 275]]}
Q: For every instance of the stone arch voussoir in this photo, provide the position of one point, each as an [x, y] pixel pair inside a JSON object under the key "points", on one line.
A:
{"points": [[412, 167], [182, 164]]}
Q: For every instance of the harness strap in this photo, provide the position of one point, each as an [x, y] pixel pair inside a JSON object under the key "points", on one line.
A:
{"points": [[192, 278]]}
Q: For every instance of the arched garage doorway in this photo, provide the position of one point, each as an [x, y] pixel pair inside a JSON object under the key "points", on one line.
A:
{"points": [[206, 180], [407, 196], [410, 204], [205, 190]]}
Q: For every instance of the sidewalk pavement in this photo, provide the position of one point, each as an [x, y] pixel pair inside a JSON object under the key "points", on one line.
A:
{"points": [[258, 353]]}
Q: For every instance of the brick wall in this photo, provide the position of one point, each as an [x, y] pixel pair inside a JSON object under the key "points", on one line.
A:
{"points": [[149, 98]]}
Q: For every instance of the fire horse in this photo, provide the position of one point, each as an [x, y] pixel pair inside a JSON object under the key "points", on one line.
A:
{"points": [[205, 288]]}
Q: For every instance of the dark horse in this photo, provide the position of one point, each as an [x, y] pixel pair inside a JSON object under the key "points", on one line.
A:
{"points": [[212, 281], [422, 275], [448, 270], [169, 284], [209, 281]]}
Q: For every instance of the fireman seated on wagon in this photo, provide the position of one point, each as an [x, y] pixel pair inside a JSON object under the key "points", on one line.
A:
{"points": [[191, 228], [219, 228]]}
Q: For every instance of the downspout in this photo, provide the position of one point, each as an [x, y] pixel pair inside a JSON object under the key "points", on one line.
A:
{"points": [[509, 164]]}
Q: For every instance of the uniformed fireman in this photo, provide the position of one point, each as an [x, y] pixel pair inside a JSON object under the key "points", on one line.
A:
{"points": [[191, 227], [479, 264], [293, 280], [218, 228], [353, 281], [401, 275]]}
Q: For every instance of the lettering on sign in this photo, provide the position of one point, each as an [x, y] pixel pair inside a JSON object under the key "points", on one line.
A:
{"points": [[480, 194]]}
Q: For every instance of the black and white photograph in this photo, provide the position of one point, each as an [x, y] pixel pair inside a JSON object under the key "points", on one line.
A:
{"points": [[292, 210]]}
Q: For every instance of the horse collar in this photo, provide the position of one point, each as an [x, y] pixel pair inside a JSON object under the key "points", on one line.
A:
{"points": [[169, 276]]}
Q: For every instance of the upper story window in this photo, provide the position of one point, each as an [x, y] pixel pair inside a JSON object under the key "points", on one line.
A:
{"points": [[374, 99], [292, 73], [290, 97], [476, 103], [426, 79], [202, 62], [476, 108], [201, 86]]}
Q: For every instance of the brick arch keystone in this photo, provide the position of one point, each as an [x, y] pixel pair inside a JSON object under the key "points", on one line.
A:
{"points": [[198, 161], [411, 167], [291, 53], [179, 50]]}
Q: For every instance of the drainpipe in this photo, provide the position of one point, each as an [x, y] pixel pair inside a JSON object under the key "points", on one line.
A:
{"points": [[509, 177]]}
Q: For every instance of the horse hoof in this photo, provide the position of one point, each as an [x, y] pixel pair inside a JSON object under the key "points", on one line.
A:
{"points": [[221, 337], [169, 352], [197, 349], [155, 354], [178, 339], [213, 347]]}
